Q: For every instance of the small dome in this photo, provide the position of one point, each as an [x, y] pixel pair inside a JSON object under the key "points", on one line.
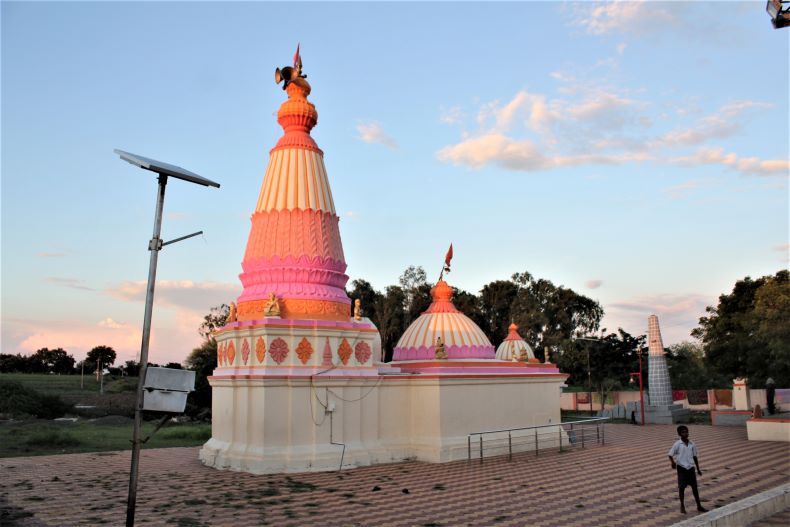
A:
{"points": [[514, 347], [462, 338]]}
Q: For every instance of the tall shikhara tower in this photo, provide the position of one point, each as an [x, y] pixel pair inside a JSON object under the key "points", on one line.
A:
{"points": [[293, 316], [294, 248]]}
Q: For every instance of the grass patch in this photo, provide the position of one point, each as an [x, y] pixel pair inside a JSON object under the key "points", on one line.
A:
{"points": [[52, 438], [18, 400], [39, 438]]}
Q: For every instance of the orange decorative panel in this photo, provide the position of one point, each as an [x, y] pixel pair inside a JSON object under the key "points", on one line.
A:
{"points": [[362, 352], [304, 350], [344, 351], [230, 353], [260, 349], [296, 308], [278, 350], [245, 351]]}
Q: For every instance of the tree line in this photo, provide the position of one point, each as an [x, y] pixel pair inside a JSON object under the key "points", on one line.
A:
{"points": [[59, 361]]}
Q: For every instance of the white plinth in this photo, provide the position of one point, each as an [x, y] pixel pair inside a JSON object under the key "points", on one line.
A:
{"points": [[266, 424]]}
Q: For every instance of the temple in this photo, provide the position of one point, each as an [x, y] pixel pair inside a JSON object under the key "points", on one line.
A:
{"points": [[300, 385]]}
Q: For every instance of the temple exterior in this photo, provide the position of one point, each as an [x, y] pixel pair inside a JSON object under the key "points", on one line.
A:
{"points": [[299, 384]]}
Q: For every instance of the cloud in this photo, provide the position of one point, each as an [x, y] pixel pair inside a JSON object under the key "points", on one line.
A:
{"points": [[723, 123], [598, 126], [681, 190], [745, 165], [782, 248], [621, 48], [521, 155], [452, 115], [184, 294], [593, 284], [78, 337], [110, 323], [631, 16], [372, 132], [50, 255], [350, 214], [678, 314], [72, 283]]}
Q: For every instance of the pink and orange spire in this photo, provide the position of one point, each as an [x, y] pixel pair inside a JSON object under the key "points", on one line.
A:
{"points": [[294, 249]]}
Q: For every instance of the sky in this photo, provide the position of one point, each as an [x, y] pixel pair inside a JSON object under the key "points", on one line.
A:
{"points": [[636, 152]]}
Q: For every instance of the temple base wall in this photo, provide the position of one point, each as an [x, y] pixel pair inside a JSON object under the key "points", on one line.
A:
{"points": [[268, 425]]}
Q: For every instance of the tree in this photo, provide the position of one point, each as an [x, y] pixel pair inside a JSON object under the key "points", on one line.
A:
{"points": [[412, 279], [496, 299], [103, 354], [52, 361], [13, 363], [772, 314], [686, 364], [391, 318], [203, 361], [215, 319], [745, 335]]}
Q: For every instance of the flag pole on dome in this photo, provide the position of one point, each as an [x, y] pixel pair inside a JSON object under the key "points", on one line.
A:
{"points": [[447, 258], [297, 59]]}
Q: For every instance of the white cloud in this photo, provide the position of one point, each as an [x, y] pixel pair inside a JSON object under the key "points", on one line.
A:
{"points": [[452, 115], [593, 284], [621, 48], [630, 16], [185, 294], [745, 165], [72, 283], [110, 323], [372, 132], [681, 190], [50, 255]]}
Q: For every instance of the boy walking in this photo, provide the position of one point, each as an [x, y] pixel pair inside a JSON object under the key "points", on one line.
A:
{"points": [[683, 456]]}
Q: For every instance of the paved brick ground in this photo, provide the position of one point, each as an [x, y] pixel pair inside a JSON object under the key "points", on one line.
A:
{"points": [[780, 519], [627, 482]]}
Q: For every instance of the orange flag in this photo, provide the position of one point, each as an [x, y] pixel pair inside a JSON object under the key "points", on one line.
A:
{"points": [[448, 257]]}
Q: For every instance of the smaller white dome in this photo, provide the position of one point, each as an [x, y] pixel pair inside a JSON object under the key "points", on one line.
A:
{"points": [[515, 348]]}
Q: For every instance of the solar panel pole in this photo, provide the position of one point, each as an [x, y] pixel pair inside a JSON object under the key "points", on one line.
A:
{"points": [[155, 245], [163, 170]]}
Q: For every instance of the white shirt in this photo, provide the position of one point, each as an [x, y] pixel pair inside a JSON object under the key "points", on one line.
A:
{"points": [[683, 453]]}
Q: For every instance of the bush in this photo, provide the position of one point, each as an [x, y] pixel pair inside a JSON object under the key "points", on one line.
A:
{"points": [[52, 438], [18, 401], [198, 434]]}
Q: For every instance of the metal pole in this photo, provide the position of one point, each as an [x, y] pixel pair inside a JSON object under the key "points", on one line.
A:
{"points": [[154, 246], [560, 432], [536, 442], [589, 379], [509, 447], [481, 448], [82, 376], [641, 392], [469, 448], [582, 429], [603, 433]]}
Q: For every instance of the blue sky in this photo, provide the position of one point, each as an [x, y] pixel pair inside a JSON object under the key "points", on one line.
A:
{"points": [[636, 152]]}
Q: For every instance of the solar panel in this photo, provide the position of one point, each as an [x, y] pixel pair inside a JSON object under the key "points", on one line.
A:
{"points": [[167, 169]]}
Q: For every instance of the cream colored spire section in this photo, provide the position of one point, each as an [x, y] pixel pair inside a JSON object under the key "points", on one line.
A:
{"points": [[295, 179]]}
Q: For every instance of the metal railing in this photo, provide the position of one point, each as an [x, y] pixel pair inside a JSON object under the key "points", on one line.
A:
{"points": [[565, 435]]}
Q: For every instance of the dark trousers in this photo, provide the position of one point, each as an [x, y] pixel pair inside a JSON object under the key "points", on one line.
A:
{"points": [[688, 478]]}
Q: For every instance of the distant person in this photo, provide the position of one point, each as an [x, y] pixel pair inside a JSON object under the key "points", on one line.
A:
{"points": [[770, 394], [683, 456]]}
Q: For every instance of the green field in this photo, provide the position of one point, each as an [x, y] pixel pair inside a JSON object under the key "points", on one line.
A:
{"points": [[40, 438], [65, 385], [104, 426]]}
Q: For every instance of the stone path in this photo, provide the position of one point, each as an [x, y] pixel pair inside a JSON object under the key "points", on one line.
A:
{"points": [[627, 482]]}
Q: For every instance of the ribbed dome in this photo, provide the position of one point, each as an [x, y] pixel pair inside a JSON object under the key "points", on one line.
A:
{"points": [[462, 338], [514, 347]]}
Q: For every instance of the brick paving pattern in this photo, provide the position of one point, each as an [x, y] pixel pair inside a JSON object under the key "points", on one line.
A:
{"points": [[780, 519], [627, 482]]}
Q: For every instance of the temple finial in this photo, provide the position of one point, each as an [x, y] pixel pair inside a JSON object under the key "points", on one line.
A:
{"points": [[292, 74]]}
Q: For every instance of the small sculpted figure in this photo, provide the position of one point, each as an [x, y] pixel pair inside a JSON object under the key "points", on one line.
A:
{"points": [[439, 351], [231, 313], [357, 304], [272, 307]]}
